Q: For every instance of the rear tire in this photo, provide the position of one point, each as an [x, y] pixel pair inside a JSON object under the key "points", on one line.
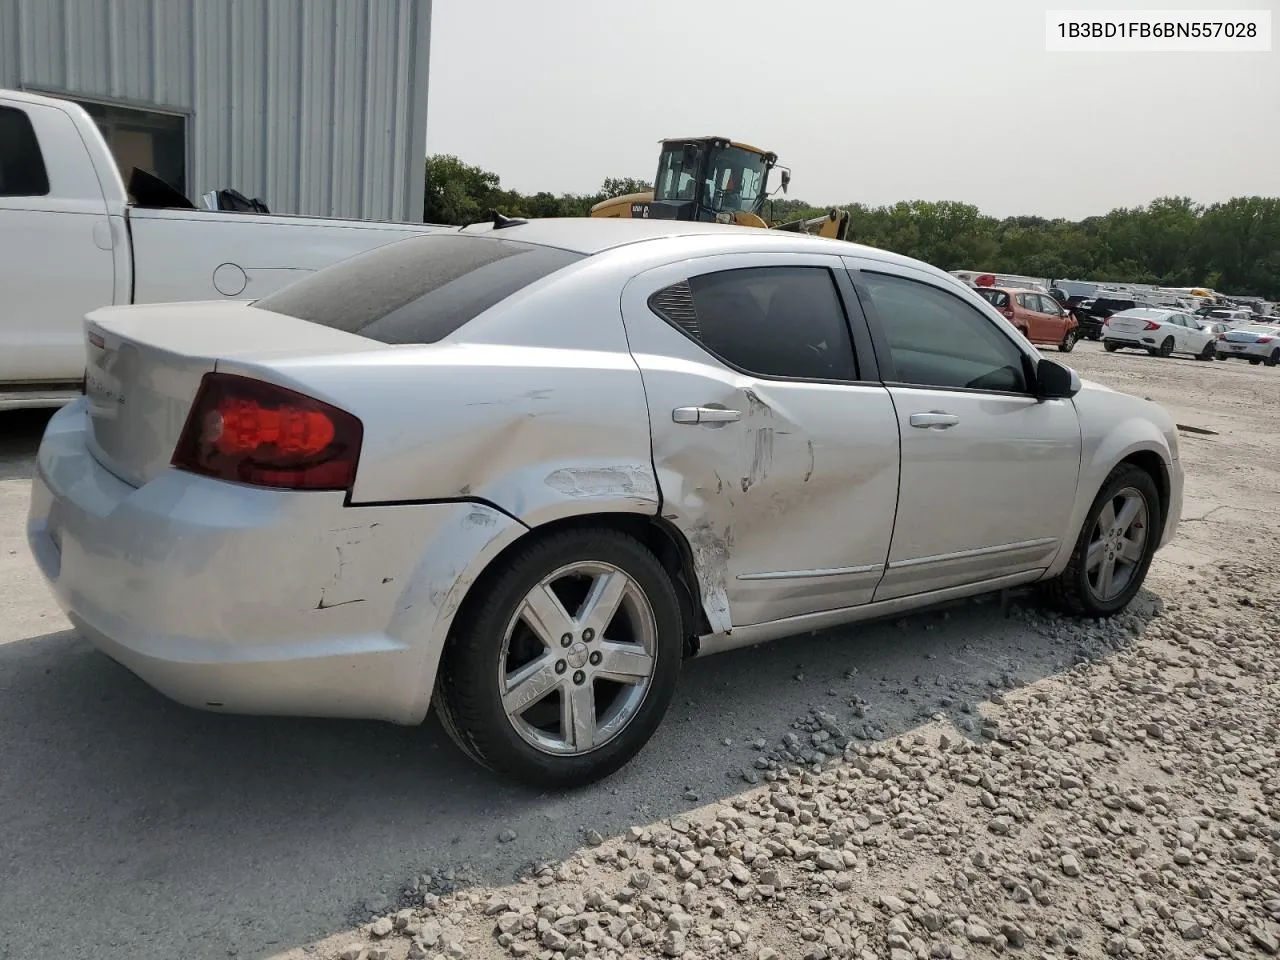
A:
{"points": [[1109, 346], [1272, 360], [1166, 347], [1254, 361], [1082, 588], [1209, 352], [495, 647]]}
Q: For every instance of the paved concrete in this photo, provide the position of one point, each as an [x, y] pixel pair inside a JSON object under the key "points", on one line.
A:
{"points": [[136, 828]]}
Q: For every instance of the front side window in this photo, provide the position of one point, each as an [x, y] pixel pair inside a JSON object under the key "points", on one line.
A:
{"points": [[22, 170], [1050, 306], [418, 290], [735, 180], [938, 340], [785, 322]]}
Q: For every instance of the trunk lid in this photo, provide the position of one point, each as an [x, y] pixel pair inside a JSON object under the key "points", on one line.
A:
{"points": [[1246, 336], [1128, 324], [145, 363]]}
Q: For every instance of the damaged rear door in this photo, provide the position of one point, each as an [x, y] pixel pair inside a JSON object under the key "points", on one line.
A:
{"points": [[775, 445]]}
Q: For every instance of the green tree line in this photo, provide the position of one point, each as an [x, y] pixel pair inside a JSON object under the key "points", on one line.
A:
{"points": [[1233, 247]]}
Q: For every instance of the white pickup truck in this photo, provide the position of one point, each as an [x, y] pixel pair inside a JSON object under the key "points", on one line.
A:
{"points": [[71, 240]]}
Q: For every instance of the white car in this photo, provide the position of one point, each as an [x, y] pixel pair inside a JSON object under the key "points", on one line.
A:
{"points": [[1161, 332], [1232, 318], [1257, 343], [524, 470]]}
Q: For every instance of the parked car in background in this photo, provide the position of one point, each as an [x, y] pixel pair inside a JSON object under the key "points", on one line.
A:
{"points": [[1231, 317], [1037, 316], [1092, 313], [1257, 343], [1161, 333], [524, 471]]}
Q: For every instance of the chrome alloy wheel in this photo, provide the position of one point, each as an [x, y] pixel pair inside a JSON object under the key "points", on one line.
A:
{"points": [[572, 681], [1117, 544]]}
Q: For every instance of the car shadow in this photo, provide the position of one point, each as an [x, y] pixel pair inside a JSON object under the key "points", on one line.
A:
{"points": [[202, 835], [20, 433]]}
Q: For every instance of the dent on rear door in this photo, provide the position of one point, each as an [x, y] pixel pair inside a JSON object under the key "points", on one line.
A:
{"points": [[788, 509]]}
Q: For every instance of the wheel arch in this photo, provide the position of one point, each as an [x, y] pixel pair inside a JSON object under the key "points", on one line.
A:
{"points": [[1134, 441], [1153, 464], [660, 536]]}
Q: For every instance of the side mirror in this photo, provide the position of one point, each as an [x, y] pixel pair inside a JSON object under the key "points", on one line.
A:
{"points": [[1055, 381], [786, 180]]}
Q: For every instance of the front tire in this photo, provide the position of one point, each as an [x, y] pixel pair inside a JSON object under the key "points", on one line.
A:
{"points": [[1068, 341], [1110, 559], [562, 665]]}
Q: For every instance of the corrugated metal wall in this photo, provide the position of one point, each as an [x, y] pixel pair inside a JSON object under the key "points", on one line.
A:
{"points": [[317, 106]]}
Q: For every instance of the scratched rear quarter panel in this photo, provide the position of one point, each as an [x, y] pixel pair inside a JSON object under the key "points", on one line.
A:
{"points": [[536, 405]]}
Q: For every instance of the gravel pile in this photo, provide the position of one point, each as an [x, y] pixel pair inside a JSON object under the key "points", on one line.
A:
{"points": [[1128, 806]]}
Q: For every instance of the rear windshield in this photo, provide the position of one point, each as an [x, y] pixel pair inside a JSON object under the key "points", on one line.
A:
{"points": [[1257, 328], [997, 298], [418, 290]]}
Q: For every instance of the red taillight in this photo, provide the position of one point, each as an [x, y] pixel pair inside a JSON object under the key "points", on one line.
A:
{"points": [[1008, 312], [1151, 325], [1264, 339], [248, 431]]}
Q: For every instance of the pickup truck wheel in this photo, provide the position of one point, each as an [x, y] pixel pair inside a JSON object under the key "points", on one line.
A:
{"points": [[1068, 341], [564, 663], [1111, 556]]}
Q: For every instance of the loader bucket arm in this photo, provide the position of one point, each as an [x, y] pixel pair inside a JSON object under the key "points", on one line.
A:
{"points": [[834, 225]]}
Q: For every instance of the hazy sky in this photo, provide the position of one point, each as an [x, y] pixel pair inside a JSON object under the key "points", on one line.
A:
{"points": [[866, 101]]}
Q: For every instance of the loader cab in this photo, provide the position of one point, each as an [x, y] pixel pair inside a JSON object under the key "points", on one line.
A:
{"points": [[709, 179]]}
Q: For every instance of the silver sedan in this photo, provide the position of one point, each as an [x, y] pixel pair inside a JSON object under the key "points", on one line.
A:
{"points": [[522, 471], [1257, 343]]}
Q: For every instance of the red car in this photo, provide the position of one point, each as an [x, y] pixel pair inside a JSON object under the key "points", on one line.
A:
{"points": [[1037, 315]]}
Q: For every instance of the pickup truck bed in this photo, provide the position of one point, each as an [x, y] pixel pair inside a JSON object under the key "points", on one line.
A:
{"points": [[71, 241]]}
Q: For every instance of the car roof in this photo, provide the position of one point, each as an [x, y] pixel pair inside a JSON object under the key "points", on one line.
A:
{"points": [[592, 235]]}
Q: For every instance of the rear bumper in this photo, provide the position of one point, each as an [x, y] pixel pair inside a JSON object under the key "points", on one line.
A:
{"points": [[1250, 351], [1139, 340], [247, 600]]}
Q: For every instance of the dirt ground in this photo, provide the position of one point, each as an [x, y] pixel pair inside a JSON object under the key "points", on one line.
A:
{"points": [[1022, 785], [1124, 803]]}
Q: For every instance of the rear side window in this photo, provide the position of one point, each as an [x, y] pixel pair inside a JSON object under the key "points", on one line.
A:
{"points": [[785, 322], [997, 298], [418, 290], [22, 172]]}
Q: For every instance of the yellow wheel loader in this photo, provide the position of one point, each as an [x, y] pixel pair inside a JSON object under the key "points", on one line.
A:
{"points": [[717, 180]]}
